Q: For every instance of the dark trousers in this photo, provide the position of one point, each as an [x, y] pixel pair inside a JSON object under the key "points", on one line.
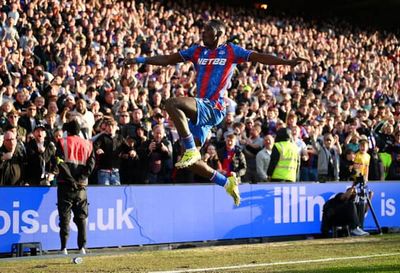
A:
{"points": [[76, 200]]}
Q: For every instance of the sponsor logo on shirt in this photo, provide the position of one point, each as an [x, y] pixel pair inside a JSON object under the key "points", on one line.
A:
{"points": [[213, 61]]}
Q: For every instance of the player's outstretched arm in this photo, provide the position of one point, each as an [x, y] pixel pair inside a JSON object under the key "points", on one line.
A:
{"points": [[272, 60], [157, 60]]}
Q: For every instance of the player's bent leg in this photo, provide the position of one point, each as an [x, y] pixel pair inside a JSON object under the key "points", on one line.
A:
{"points": [[179, 110]]}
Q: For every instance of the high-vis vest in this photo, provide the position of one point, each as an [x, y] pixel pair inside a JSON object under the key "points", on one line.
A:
{"points": [[386, 161], [286, 169], [77, 150]]}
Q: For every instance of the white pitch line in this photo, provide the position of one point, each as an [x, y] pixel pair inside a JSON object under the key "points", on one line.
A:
{"points": [[278, 263]]}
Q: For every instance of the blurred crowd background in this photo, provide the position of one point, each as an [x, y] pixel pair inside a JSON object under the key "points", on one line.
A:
{"points": [[62, 60]]}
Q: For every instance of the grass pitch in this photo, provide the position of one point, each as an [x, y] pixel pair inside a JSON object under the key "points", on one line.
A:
{"points": [[367, 254]]}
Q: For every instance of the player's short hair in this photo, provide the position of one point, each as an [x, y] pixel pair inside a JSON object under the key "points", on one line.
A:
{"points": [[218, 26]]}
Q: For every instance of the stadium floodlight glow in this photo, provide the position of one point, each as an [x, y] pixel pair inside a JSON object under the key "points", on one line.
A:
{"points": [[261, 5]]}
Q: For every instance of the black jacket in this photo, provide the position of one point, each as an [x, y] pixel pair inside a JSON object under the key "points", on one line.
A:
{"points": [[25, 122], [151, 160], [112, 149], [12, 170], [40, 163]]}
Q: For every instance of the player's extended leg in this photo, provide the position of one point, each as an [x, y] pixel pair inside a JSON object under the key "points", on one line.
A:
{"points": [[180, 109], [229, 183]]}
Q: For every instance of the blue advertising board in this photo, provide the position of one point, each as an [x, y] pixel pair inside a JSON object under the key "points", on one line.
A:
{"points": [[156, 214]]}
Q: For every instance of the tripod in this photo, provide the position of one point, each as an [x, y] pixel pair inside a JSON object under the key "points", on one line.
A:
{"points": [[363, 199]]}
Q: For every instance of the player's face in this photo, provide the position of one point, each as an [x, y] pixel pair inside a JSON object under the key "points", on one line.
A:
{"points": [[209, 37]]}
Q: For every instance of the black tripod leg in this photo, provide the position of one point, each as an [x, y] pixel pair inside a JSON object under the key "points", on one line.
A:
{"points": [[374, 216]]}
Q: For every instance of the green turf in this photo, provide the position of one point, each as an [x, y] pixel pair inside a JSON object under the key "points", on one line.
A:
{"points": [[237, 255]]}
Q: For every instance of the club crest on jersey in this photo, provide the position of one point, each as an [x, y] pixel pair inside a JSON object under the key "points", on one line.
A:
{"points": [[213, 61]]}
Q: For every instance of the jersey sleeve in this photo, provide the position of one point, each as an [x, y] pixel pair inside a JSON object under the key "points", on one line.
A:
{"points": [[189, 54], [241, 55]]}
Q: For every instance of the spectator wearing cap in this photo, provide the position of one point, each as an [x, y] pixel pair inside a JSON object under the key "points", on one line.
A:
{"points": [[245, 93], [68, 102], [12, 161], [107, 147], [157, 118], [41, 158]]}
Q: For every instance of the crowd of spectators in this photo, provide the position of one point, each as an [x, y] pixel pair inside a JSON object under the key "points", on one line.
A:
{"points": [[62, 60]]}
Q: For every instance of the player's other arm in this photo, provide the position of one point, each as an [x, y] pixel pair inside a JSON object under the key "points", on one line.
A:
{"points": [[272, 60], [157, 60]]}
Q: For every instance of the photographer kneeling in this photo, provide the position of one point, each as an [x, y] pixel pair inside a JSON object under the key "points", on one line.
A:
{"points": [[343, 211]]}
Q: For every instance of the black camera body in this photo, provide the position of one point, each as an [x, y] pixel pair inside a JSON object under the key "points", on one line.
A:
{"points": [[360, 181]]}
